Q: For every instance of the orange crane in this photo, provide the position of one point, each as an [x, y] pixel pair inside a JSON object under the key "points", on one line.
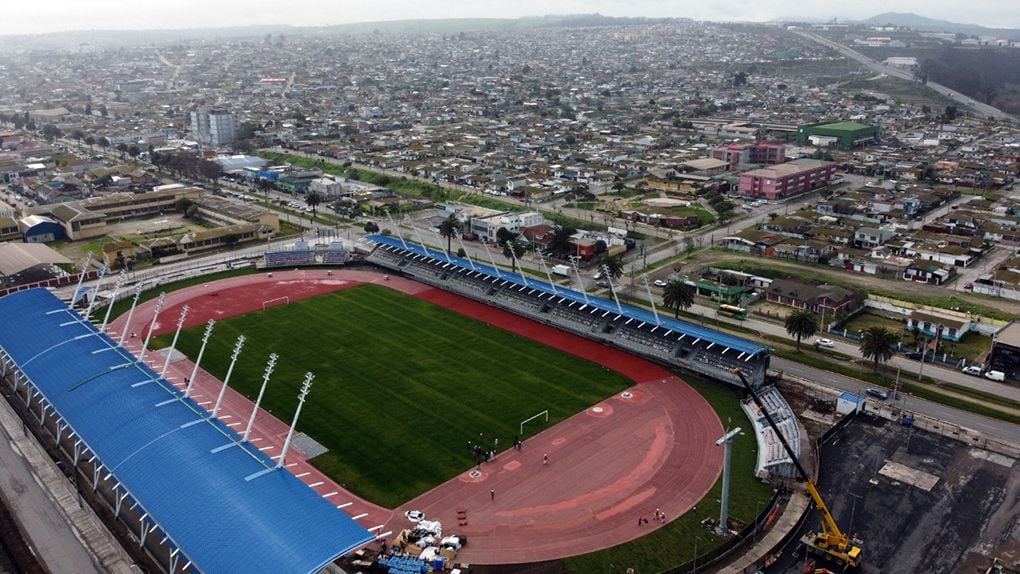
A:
{"points": [[830, 541]]}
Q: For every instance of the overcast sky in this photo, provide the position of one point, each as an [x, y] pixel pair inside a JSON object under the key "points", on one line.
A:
{"points": [[34, 16]]}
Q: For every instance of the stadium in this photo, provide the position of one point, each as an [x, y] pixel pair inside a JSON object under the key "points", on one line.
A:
{"points": [[161, 439]]}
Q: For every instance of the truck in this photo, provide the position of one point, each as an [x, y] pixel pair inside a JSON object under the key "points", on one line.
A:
{"points": [[561, 270]]}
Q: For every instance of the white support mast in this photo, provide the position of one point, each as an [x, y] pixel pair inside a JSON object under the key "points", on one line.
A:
{"points": [[420, 239], [301, 401], [466, 255], [95, 292], [541, 259], [152, 326], [205, 339], [396, 228], [81, 278], [131, 312], [651, 300], [445, 251], [116, 290], [226, 380], [513, 256], [580, 280], [493, 260], [612, 289], [270, 366], [173, 344]]}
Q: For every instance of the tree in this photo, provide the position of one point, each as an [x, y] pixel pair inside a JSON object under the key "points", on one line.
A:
{"points": [[561, 238], [800, 324], [504, 235], [371, 227], [134, 150], [77, 135], [264, 186], [877, 344], [313, 199], [449, 228], [614, 266], [122, 148], [90, 141], [677, 295], [513, 250], [104, 142]]}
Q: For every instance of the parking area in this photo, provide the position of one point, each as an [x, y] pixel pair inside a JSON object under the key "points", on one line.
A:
{"points": [[920, 502]]}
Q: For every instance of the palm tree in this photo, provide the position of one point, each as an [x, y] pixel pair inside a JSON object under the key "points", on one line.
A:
{"points": [[677, 295], [801, 323], [449, 228], [313, 199], [513, 250], [614, 266], [877, 344]]}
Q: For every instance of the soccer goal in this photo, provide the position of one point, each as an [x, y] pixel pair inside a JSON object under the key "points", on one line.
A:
{"points": [[275, 302], [544, 413]]}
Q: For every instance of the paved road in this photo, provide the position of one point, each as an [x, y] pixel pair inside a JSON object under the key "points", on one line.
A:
{"points": [[979, 107], [54, 542], [991, 428]]}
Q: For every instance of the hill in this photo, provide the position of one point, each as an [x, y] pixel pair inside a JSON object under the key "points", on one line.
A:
{"points": [[922, 23]]}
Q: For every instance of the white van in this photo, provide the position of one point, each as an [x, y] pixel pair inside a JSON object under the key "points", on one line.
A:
{"points": [[995, 376]]}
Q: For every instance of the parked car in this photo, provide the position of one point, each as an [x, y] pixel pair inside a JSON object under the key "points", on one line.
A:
{"points": [[825, 343], [968, 286], [659, 283], [973, 370], [995, 376], [918, 356], [877, 393]]}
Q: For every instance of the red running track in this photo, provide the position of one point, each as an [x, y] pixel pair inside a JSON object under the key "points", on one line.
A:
{"points": [[651, 447]]}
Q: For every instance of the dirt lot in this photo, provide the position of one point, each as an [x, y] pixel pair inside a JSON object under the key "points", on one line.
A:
{"points": [[969, 515]]}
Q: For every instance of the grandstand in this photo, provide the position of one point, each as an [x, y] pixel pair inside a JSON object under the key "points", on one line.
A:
{"points": [[193, 494], [772, 457], [301, 254], [662, 339]]}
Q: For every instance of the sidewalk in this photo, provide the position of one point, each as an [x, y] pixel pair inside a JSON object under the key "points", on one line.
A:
{"points": [[749, 559]]}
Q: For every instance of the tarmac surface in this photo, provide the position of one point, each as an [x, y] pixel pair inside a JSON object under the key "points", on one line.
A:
{"points": [[920, 502]]}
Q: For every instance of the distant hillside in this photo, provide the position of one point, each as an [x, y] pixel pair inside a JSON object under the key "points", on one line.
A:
{"points": [[123, 38], [916, 22]]}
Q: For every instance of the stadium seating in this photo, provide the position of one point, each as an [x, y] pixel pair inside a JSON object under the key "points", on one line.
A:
{"points": [[675, 343], [772, 457]]}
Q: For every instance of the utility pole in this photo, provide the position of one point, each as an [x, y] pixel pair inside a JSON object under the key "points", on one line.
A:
{"points": [[726, 441]]}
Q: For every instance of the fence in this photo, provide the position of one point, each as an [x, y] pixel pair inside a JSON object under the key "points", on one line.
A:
{"points": [[720, 552], [55, 282]]}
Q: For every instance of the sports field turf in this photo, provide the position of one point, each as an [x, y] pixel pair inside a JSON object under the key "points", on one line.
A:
{"points": [[401, 385]]}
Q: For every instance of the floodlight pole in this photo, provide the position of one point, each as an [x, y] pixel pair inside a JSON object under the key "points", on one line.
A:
{"points": [[205, 339], [726, 441], [152, 325], [499, 274], [305, 386], [109, 308], [173, 344], [580, 280], [233, 360], [518, 262], [541, 259], [397, 228], [131, 312], [466, 255], [609, 279], [95, 292], [651, 300], [81, 278], [265, 379]]}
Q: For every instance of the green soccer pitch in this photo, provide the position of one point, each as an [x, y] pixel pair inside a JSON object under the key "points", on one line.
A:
{"points": [[401, 385]]}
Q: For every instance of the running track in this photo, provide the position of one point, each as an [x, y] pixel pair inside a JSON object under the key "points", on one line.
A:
{"points": [[651, 447]]}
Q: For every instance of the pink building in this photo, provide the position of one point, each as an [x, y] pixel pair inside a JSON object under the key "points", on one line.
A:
{"points": [[787, 179], [741, 155]]}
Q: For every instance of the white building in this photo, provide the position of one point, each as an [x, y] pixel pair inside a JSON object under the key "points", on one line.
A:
{"points": [[213, 127], [326, 187]]}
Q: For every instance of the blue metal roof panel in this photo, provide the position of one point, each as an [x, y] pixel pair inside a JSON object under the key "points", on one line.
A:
{"points": [[200, 499], [681, 327]]}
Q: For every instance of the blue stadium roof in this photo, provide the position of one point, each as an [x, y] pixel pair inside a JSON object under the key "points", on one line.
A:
{"points": [[682, 327], [162, 449]]}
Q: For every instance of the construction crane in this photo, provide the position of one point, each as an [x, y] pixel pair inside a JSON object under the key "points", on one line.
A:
{"points": [[830, 541]]}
